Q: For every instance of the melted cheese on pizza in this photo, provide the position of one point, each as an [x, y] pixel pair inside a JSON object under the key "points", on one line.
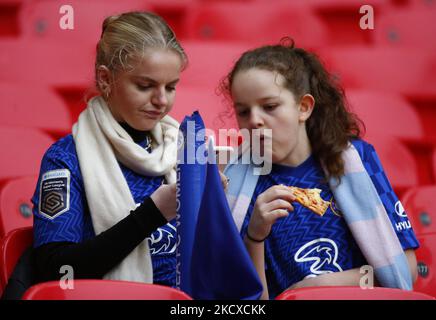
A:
{"points": [[311, 199]]}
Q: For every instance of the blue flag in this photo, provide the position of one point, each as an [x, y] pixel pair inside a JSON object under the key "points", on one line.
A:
{"points": [[188, 202], [213, 262]]}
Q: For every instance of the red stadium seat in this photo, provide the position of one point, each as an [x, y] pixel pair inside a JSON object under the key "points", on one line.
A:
{"points": [[389, 114], [408, 71], [386, 113], [340, 4], [9, 18], [209, 62], [11, 248], [11, 2], [421, 208], [56, 64], [15, 204], [426, 257], [39, 108], [398, 162], [434, 164], [255, 24], [422, 4], [422, 150], [351, 293], [173, 12], [342, 19], [215, 112], [103, 290], [406, 28], [22, 151], [41, 19]]}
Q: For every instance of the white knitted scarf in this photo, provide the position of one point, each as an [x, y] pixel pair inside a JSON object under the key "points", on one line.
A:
{"points": [[100, 143]]}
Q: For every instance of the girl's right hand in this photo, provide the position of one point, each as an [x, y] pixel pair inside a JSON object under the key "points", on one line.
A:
{"points": [[164, 199], [272, 204]]}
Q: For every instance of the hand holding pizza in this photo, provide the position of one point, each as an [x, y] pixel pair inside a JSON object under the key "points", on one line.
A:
{"points": [[271, 205]]}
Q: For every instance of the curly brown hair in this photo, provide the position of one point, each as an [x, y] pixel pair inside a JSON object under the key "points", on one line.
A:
{"points": [[332, 125]]}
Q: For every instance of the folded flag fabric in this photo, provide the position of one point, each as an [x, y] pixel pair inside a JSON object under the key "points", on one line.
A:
{"points": [[190, 184], [214, 263]]}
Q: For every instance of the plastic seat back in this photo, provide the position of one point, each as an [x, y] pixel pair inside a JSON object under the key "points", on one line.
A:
{"points": [[11, 248], [209, 62], [386, 113], [408, 71], [103, 290], [256, 23], [15, 204], [22, 151], [426, 257], [434, 164], [39, 108], [351, 293], [406, 28], [48, 58], [216, 113], [44, 20], [421, 208]]}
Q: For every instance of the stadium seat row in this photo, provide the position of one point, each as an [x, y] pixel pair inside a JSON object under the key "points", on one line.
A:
{"points": [[69, 72], [18, 240], [311, 23], [410, 71]]}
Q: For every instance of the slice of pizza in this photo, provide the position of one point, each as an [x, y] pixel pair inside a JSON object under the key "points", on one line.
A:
{"points": [[311, 199]]}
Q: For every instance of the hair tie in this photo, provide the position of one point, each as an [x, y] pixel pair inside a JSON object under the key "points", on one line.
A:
{"points": [[256, 240]]}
